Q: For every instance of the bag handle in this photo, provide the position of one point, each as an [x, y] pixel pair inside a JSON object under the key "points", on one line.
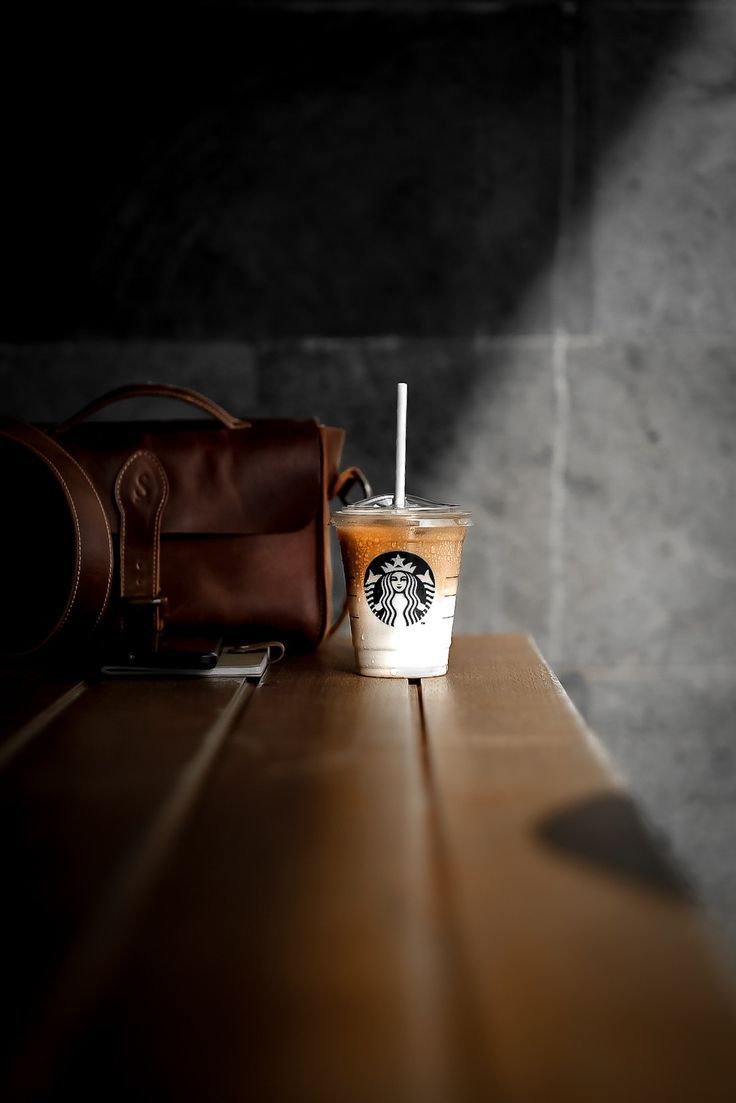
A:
{"points": [[153, 390], [346, 480]]}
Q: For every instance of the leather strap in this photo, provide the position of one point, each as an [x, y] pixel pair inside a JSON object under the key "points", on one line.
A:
{"points": [[153, 390], [346, 480], [141, 491]]}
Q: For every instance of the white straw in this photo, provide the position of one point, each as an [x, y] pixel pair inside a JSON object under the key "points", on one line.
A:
{"points": [[399, 496]]}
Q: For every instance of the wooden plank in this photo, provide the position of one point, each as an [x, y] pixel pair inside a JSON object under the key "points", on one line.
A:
{"points": [[77, 810], [296, 949], [368, 890], [30, 697], [594, 979]]}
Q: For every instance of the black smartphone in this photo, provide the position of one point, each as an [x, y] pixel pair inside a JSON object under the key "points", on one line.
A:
{"points": [[177, 653]]}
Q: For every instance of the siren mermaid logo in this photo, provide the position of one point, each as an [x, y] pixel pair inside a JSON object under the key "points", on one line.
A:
{"points": [[399, 588]]}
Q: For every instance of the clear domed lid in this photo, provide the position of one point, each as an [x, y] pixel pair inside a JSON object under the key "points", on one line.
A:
{"points": [[382, 505]]}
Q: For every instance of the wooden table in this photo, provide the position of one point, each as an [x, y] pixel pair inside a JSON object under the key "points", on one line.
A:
{"points": [[330, 888]]}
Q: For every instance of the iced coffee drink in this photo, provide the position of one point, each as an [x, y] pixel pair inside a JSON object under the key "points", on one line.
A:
{"points": [[402, 568]]}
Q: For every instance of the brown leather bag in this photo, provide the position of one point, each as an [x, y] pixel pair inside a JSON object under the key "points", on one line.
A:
{"points": [[126, 530]]}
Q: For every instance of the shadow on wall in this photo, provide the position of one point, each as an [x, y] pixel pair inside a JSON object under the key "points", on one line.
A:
{"points": [[264, 176]]}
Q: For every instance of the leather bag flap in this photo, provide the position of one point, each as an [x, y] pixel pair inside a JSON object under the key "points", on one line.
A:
{"points": [[266, 478]]}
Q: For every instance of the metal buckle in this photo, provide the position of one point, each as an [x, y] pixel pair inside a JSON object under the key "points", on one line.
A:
{"points": [[143, 617]]}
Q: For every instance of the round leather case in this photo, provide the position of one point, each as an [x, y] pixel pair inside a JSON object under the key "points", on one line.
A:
{"points": [[56, 556]]}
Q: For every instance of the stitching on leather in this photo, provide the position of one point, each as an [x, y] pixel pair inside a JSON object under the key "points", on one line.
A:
{"points": [[141, 453], [325, 565], [157, 521], [23, 438], [70, 603], [121, 508], [108, 586], [78, 531]]}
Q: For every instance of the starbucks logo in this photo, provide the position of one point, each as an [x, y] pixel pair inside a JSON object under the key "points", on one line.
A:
{"points": [[399, 588]]}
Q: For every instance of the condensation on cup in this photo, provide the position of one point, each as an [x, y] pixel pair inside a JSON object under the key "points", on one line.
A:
{"points": [[402, 569]]}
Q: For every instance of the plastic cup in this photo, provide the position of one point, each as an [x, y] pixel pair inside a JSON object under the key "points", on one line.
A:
{"points": [[402, 568]]}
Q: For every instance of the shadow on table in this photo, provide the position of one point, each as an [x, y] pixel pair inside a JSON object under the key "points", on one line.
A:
{"points": [[607, 831]]}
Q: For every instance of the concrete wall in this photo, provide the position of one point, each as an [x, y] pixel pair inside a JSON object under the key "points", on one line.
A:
{"points": [[528, 211]]}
